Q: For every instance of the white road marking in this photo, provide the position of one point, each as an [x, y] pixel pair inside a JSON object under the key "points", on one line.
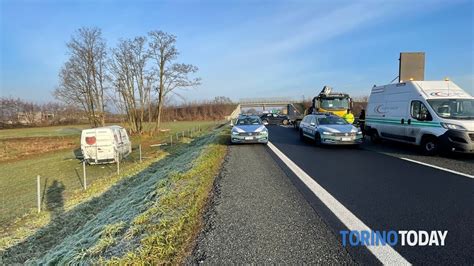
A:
{"points": [[385, 254], [437, 167]]}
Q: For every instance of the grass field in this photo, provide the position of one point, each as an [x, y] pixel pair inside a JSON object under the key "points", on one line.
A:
{"points": [[150, 216], [59, 167], [75, 130]]}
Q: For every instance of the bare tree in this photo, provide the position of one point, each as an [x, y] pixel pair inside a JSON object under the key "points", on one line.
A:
{"points": [[83, 77], [132, 80], [170, 75]]}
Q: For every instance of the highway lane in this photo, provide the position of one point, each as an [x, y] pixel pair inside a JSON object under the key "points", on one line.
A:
{"points": [[463, 163], [388, 193]]}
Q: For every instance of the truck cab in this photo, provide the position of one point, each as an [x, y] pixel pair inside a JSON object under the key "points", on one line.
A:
{"points": [[435, 115], [331, 102]]}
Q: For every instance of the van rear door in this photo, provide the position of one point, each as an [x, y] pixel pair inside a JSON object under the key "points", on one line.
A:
{"points": [[98, 144]]}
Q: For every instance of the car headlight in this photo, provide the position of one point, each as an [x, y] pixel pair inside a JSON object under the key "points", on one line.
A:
{"points": [[327, 133], [359, 132], [453, 126], [264, 132], [235, 133]]}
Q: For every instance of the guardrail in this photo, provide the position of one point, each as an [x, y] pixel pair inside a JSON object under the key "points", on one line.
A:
{"points": [[246, 101]]}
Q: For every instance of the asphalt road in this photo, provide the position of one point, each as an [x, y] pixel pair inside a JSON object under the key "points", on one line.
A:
{"points": [[463, 163], [388, 193], [258, 216]]}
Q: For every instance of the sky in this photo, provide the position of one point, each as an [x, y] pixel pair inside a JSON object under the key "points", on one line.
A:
{"points": [[248, 48]]}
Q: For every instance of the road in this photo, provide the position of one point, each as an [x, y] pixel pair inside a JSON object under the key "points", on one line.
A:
{"points": [[259, 217], [388, 193], [380, 189]]}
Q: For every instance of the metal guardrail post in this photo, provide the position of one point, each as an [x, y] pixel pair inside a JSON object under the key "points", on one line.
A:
{"points": [[140, 151]]}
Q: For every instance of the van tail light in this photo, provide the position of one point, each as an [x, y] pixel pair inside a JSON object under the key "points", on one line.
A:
{"points": [[90, 140]]}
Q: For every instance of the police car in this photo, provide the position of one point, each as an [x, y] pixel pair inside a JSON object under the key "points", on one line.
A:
{"points": [[326, 128]]}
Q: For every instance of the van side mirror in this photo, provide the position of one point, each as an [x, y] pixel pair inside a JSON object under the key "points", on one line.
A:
{"points": [[312, 124]]}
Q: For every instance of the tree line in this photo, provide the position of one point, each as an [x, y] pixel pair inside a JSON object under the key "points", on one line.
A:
{"points": [[216, 109], [135, 77], [15, 112]]}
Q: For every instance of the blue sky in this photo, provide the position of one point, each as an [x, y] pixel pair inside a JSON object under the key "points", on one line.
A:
{"points": [[249, 48]]}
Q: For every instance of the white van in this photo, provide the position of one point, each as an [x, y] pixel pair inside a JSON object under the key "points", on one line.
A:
{"points": [[104, 144], [433, 114]]}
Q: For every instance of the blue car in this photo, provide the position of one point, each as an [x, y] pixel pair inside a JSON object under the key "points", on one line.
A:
{"points": [[249, 129]]}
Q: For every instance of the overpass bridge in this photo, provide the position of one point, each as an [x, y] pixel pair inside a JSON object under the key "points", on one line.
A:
{"points": [[264, 103]]}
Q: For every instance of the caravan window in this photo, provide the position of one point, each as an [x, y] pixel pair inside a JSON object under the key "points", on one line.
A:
{"points": [[419, 111]]}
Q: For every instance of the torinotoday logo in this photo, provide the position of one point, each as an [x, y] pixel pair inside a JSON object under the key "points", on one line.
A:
{"points": [[393, 238]]}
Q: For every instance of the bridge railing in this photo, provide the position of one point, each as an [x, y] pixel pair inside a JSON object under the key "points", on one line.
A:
{"points": [[273, 100]]}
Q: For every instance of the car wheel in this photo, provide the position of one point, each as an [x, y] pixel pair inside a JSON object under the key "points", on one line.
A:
{"points": [[429, 146], [285, 122], [317, 139], [374, 137]]}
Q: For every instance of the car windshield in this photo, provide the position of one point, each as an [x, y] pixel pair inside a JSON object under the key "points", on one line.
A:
{"points": [[331, 120], [249, 121], [453, 108], [335, 104]]}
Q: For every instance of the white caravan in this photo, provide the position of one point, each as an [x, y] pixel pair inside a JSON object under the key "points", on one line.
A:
{"points": [[104, 144], [433, 114]]}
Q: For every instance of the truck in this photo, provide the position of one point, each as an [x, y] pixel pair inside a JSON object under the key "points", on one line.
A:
{"points": [[331, 102], [105, 144], [327, 101]]}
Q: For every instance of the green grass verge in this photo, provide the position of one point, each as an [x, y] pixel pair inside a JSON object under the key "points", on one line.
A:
{"points": [[121, 223], [166, 230]]}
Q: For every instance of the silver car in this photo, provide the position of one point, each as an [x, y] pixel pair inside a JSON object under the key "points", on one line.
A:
{"points": [[329, 129], [249, 129]]}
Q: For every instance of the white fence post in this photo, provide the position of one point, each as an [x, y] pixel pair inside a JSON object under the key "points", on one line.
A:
{"points": [[140, 151], [38, 192], [177, 136], [118, 163], [84, 173], [171, 140]]}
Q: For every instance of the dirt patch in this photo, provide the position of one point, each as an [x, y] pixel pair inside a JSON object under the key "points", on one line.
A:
{"points": [[21, 148]]}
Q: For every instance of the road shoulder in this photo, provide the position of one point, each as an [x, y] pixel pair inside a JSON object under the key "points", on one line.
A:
{"points": [[258, 216]]}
